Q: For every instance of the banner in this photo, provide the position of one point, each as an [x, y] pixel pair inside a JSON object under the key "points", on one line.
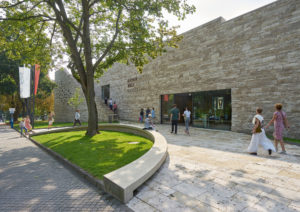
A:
{"points": [[166, 97], [37, 70], [24, 76]]}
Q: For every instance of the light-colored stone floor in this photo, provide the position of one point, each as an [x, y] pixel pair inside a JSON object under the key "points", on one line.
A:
{"points": [[211, 171]]}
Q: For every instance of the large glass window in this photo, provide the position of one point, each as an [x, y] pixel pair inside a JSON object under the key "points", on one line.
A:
{"points": [[167, 102], [210, 109]]}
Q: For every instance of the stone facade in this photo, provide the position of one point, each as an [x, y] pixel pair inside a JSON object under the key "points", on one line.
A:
{"points": [[66, 86], [256, 55]]}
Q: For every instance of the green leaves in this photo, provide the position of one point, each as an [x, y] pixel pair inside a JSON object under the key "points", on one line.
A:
{"points": [[75, 100]]}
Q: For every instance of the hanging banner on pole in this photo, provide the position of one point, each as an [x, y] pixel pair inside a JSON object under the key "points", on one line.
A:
{"points": [[24, 76], [37, 70]]}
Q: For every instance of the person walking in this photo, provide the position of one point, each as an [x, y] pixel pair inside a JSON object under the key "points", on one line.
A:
{"points": [[280, 122], [187, 120], [77, 118], [50, 119], [115, 107], [259, 136], [27, 124], [22, 127], [148, 112], [141, 115], [110, 103], [174, 118], [153, 115]]}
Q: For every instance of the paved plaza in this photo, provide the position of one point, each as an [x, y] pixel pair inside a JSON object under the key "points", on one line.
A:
{"points": [[211, 171], [207, 171], [31, 180]]}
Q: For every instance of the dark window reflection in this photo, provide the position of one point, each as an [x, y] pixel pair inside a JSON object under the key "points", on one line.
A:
{"points": [[105, 91], [210, 109]]}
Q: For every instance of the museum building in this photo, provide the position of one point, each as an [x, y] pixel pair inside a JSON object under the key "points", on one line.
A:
{"points": [[222, 71]]}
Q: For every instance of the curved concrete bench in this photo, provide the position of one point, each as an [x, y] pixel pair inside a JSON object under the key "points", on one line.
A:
{"points": [[122, 182]]}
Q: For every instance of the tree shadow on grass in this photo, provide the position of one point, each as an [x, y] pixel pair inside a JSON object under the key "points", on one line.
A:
{"points": [[97, 157]]}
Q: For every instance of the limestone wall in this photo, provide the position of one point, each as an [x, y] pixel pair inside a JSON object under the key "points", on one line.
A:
{"points": [[256, 55], [66, 86]]}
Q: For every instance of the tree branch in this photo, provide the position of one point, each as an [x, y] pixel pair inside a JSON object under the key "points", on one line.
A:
{"points": [[13, 5], [111, 42], [28, 18], [52, 34]]}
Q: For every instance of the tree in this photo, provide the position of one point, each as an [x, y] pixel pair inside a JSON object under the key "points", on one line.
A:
{"points": [[75, 100], [10, 89], [98, 33]]}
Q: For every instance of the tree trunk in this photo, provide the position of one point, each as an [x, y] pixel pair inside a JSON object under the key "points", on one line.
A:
{"points": [[92, 109]]}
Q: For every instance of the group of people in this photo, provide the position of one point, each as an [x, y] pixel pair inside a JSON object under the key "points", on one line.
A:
{"points": [[149, 116], [146, 114], [258, 132], [25, 126], [112, 105], [175, 118], [25, 123]]}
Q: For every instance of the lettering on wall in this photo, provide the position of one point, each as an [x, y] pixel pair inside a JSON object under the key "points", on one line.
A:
{"points": [[131, 82]]}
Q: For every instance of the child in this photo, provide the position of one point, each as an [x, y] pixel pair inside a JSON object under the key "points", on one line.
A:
{"points": [[50, 119], [259, 135], [22, 126], [27, 123]]}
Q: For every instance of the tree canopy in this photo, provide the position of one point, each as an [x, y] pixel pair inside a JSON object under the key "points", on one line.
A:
{"points": [[95, 34]]}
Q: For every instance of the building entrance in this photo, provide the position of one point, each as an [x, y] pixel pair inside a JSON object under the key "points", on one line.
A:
{"points": [[182, 101], [209, 109]]}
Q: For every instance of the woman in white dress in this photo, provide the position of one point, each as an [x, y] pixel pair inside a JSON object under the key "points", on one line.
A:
{"points": [[259, 135]]}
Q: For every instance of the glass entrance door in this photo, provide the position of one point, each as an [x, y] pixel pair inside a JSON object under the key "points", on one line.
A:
{"points": [[209, 109], [181, 100]]}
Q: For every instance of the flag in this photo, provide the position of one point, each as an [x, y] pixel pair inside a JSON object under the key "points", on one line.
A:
{"points": [[24, 77], [37, 70]]}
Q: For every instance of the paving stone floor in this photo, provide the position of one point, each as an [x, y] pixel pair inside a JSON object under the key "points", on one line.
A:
{"points": [[31, 180], [207, 171], [211, 171]]}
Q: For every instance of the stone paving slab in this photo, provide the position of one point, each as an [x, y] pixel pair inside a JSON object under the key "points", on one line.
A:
{"points": [[31, 180], [211, 171]]}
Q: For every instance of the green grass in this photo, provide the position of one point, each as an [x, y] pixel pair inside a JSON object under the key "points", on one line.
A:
{"points": [[99, 154], [293, 140], [44, 124]]}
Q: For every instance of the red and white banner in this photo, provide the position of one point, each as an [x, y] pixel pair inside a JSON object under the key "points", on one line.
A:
{"points": [[37, 70], [24, 77]]}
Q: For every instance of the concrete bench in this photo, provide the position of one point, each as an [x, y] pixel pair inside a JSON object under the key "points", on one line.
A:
{"points": [[122, 182]]}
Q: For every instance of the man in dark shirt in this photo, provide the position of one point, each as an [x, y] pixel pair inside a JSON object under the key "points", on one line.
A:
{"points": [[148, 112], [174, 118]]}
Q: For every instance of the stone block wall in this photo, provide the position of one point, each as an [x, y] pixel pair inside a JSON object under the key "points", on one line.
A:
{"points": [[66, 86], [256, 55]]}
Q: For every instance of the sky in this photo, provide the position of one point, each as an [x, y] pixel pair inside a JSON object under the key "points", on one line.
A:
{"points": [[207, 10]]}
